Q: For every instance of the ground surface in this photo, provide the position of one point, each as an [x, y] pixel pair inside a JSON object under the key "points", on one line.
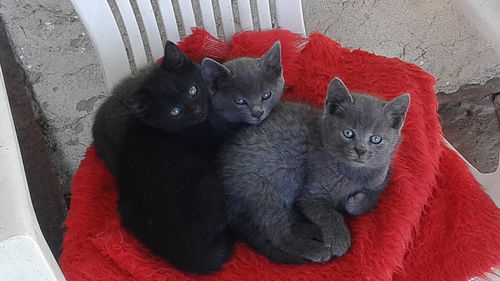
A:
{"points": [[429, 33], [472, 126], [50, 44]]}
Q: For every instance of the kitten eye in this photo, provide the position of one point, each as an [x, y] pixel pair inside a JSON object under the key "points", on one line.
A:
{"points": [[376, 139], [240, 101], [266, 95], [192, 91], [348, 133], [176, 111]]}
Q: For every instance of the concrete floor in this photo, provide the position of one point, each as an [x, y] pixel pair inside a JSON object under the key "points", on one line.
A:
{"points": [[50, 44], [429, 33], [471, 124], [52, 47]]}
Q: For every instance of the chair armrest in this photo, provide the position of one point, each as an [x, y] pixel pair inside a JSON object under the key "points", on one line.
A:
{"points": [[24, 253]]}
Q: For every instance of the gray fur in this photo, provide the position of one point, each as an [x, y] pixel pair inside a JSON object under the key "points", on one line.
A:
{"points": [[248, 79], [299, 160]]}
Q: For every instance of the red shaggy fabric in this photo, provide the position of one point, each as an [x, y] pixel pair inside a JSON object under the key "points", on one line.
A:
{"points": [[432, 223]]}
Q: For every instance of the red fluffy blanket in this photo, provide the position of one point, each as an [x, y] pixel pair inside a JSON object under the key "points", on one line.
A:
{"points": [[433, 222]]}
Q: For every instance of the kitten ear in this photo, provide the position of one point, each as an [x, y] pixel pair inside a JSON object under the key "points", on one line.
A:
{"points": [[173, 57], [135, 105], [337, 97], [271, 61], [397, 109], [212, 71]]}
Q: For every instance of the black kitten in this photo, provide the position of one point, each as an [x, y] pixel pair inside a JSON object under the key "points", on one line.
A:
{"points": [[154, 136]]}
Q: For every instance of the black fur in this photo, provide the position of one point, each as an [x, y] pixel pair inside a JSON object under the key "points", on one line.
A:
{"points": [[169, 195]]}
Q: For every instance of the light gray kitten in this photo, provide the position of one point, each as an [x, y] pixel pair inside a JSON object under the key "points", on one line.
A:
{"points": [[301, 161]]}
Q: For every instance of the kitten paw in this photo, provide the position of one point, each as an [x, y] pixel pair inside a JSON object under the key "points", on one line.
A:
{"points": [[315, 251], [307, 231], [338, 240], [355, 204], [308, 249]]}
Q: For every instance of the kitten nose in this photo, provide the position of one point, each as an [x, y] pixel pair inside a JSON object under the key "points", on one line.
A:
{"points": [[197, 109], [360, 151], [257, 111]]}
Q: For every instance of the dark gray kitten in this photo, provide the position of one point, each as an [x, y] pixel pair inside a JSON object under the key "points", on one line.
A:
{"points": [[304, 162], [245, 90]]}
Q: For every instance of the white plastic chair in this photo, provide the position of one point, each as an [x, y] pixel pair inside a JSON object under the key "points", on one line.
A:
{"points": [[24, 254]]}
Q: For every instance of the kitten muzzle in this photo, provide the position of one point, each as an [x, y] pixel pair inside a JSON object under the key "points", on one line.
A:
{"points": [[360, 151], [257, 111]]}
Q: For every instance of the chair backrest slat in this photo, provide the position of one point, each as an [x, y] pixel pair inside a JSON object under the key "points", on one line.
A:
{"points": [[169, 22], [134, 35], [264, 14], [187, 15], [289, 15], [226, 13], [245, 13], [140, 20], [103, 30], [207, 15], [151, 28]]}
